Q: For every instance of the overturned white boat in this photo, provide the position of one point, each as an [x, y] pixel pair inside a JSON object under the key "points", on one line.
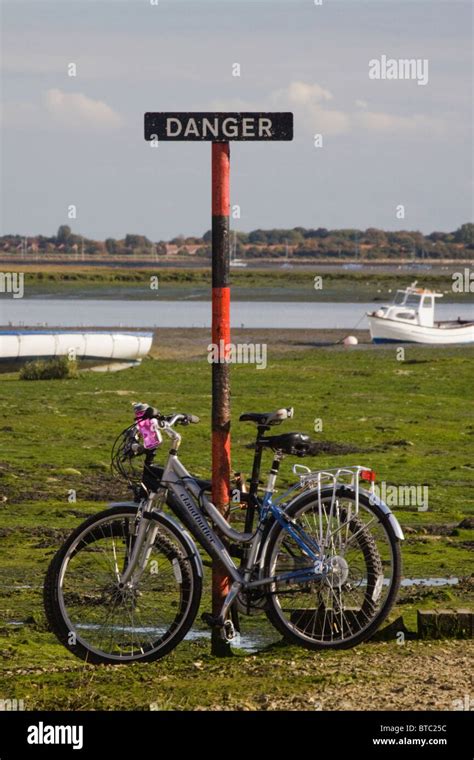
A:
{"points": [[24, 345], [410, 319]]}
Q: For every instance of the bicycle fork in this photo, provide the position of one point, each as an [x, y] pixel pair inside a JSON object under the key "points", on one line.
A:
{"points": [[142, 548]]}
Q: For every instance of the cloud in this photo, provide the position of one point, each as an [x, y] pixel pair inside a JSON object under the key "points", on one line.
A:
{"points": [[303, 93], [59, 109], [310, 104], [78, 110], [308, 101]]}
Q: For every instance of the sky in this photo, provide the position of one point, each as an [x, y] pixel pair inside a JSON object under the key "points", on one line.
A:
{"points": [[385, 143]]}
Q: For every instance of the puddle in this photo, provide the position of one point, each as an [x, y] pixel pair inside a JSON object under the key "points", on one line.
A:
{"points": [[426, 582], [452, 581], [250, 643], [253, 642]]}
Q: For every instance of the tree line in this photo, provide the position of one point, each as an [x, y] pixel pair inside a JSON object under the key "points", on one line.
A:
{"points": [[298, 242]]}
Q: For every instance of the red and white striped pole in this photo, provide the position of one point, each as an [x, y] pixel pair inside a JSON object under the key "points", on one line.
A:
{"points": [[220, 369]]}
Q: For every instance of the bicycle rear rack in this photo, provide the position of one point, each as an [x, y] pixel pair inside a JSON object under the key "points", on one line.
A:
{"points": [[331, 479]]}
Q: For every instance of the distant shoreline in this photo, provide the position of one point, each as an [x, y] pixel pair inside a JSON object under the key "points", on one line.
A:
{"points": [[200, 262]]}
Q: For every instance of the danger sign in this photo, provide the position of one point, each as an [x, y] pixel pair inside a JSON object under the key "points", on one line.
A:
{"points": [[218, 127]]}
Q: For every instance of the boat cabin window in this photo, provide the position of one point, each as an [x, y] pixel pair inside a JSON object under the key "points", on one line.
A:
{"points": [[413, 300], [427, 302], [399, 298]]}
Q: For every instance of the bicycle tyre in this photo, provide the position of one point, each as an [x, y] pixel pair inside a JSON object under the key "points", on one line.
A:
{"points": [[56, 615]]}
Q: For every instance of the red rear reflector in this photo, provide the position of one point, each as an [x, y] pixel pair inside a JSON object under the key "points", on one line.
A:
{"points": [[368, 475]]}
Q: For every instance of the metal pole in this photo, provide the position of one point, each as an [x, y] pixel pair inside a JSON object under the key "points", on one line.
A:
{"points": [[220, 369]]}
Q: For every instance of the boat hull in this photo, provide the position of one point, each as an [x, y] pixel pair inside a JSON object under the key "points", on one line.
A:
{"points": [[21, 345], [394, 331]]}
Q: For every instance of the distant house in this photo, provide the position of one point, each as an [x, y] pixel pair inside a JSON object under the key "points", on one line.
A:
{"points": [[172, 249]]}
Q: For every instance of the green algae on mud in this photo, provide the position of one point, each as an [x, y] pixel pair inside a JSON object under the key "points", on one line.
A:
{"points": [[414, 421], [168, 283]]}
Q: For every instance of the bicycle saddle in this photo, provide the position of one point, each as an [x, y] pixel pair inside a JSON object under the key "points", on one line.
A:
{"points": [[267, 418]]}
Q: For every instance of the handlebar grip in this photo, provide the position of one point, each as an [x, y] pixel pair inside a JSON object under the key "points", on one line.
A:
{"points": [[188, 419]]}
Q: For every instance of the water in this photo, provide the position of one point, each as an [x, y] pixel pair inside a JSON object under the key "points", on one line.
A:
{"points": [[146, 314], [452, 581], [248, 642]]}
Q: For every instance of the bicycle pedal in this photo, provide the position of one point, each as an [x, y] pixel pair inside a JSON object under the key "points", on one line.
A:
{"points": [[228, 631]]}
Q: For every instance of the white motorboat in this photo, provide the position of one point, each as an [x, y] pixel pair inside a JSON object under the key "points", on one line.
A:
{"points": [[23, 345], [410, 319]]}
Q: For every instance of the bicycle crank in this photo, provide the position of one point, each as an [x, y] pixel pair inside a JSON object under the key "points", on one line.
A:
{"points": [[226, 629]]}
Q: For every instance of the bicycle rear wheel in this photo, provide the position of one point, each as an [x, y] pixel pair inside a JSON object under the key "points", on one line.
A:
{"points": [[99, 621], [357, 588]]}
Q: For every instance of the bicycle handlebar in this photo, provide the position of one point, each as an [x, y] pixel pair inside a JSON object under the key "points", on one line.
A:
{"points": [[178, 419], [172, 419]]}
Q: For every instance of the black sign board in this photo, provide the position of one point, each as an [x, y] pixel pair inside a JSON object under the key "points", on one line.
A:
{"points": [[218, 126]]}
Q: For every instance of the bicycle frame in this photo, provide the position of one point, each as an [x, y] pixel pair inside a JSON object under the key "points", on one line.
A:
{"points": [[191, 505]]}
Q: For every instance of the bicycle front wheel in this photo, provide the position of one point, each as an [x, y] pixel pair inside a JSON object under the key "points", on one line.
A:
{"points": [[101, 622], [359, 573]]}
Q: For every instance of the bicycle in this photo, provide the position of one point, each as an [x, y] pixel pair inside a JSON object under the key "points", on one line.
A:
{"points": [[322, 560]]}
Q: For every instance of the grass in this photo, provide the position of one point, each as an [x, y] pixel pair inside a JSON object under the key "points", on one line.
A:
{"points": [[58, 368], [413, 420]]}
